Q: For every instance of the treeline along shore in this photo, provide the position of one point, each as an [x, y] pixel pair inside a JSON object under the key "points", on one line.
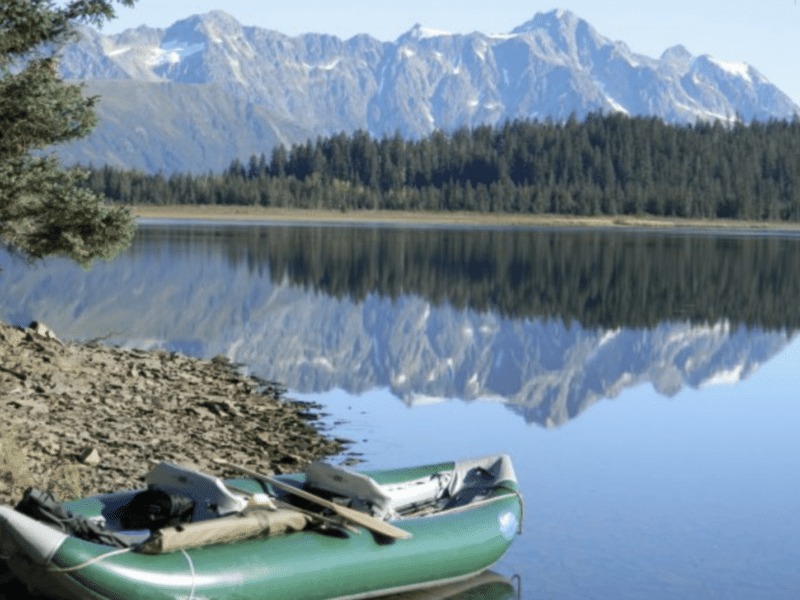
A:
{"points": [[610, 165]]}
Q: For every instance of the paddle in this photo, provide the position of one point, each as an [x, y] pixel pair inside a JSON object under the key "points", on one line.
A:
{"points": [[350, 514]]}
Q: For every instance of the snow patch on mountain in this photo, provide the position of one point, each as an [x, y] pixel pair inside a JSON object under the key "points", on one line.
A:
{"points": [[737, 69], [176, 52]]}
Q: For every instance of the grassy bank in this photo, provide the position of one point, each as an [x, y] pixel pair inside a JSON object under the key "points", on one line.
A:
{"points": [[465, 219]]}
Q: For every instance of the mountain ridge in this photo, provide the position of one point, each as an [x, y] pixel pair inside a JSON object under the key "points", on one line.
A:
{"points": [[552, 66]]}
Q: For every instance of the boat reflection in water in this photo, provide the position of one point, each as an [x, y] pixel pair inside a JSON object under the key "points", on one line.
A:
{"points": [[486, 586]]}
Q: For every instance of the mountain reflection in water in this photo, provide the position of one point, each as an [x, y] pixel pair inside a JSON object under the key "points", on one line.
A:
{"points": [[546, 321]]}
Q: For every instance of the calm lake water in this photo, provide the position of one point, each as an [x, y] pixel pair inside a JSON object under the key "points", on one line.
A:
{"points": [[644, 383]]}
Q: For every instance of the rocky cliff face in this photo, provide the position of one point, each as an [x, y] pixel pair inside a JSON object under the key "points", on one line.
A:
{"points": [[207, 90]]}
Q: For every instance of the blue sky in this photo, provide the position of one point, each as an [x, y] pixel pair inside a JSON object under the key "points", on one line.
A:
{"points": [[765, 34]]}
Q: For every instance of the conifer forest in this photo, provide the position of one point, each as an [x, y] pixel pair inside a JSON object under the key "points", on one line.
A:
{"points": [[604, 165]]}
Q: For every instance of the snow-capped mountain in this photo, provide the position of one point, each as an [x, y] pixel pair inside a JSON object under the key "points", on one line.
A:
{"points": [[207, 90]]}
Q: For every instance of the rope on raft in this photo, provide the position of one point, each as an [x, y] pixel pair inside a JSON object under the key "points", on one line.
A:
{"points": [[91, 561]]}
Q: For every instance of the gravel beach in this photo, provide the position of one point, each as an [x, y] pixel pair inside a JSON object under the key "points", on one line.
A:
{"points": [[87, 418]]}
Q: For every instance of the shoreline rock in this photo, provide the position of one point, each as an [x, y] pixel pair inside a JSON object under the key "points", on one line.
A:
{"points": [[80, 419]]}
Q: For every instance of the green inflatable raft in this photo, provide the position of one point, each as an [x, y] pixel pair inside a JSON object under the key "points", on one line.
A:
{"points": [[327, 533]]}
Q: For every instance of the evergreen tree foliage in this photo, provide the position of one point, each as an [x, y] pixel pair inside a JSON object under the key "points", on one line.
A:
{"points": [[43, 209]]}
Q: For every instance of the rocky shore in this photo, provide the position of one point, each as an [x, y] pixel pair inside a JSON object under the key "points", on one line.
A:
{"points": [[82, 419]]}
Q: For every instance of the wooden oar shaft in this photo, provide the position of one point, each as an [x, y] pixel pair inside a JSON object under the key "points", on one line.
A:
{"points": [[350, 514]]}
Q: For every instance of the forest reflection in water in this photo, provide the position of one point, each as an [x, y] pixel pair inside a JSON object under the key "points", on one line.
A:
{"points": [[546, 321], [599, 278]]}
